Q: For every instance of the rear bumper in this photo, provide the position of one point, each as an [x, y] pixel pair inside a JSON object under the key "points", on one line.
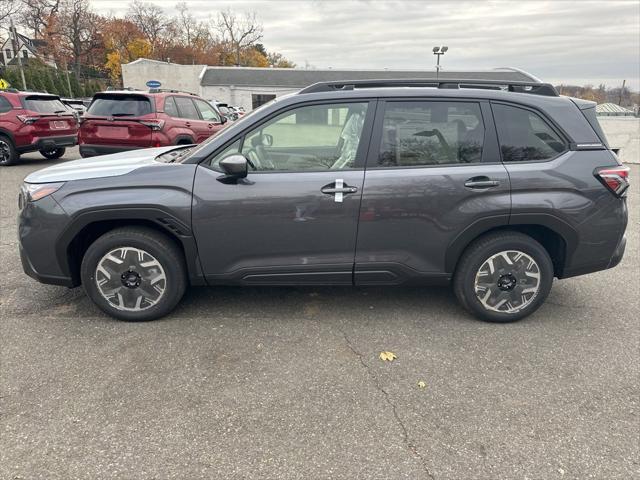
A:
{"points": [[49, 143], [95, 150]]}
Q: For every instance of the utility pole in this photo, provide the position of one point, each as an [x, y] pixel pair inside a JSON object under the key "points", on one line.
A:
{"points": [[14, 42], [621, 92], [66, 72]]}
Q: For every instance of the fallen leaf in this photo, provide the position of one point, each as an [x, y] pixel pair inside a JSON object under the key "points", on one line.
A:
{"points": [[387, 356], [421, 384]]}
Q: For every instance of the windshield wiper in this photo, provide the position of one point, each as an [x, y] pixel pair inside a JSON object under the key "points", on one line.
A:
{"points": [[122, 115]]}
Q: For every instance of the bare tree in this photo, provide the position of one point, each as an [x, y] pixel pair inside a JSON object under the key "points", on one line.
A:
{"points": [[80, 30], [239, 31], [35, 14], [7, 8], [150, 19]]}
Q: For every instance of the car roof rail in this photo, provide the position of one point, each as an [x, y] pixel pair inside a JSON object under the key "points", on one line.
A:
{"points": [[170, 90], [535, 88]]}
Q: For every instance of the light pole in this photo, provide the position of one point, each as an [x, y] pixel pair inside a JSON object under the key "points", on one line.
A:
{"points": [[439, 51]]}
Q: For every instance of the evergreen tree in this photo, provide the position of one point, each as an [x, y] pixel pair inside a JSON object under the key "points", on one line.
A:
{"points": [[28, 77], [76, 88], [61, 84], [49, 86]]}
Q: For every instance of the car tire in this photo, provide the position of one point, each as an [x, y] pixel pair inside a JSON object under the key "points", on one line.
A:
{"points": [[8, 154], [134, 273], [503, 277], [53, 154]]}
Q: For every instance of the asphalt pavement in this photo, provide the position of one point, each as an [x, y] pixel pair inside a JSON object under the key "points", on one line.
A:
{"points": [[287, 382]]}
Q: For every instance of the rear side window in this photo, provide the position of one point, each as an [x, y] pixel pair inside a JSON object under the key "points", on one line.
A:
{"points": [[590, 115], [170, 107], [120, 106], [44, 105], [525, 136], [5, 106], [423, 133], [186, 108]]}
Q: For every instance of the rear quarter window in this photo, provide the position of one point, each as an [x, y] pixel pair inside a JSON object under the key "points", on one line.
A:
{"points": [[120, 106], [5, 106], [525, 136], [590, 115]]}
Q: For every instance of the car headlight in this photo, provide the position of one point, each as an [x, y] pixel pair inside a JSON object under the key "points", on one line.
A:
{"points": [[35, 191]]}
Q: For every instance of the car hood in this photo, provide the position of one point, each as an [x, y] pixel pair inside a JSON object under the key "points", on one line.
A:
{"points": [[97, 167]]}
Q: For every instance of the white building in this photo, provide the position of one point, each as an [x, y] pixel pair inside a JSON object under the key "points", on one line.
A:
{"points": [[250, 87], [27, 49]]}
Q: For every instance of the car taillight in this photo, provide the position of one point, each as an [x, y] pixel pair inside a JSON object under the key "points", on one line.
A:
{"points": [[27, 119], [615, 179], [154, 125]]}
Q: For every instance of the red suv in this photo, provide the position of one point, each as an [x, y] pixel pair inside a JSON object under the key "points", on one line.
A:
{"points": [[34, 121], [126, 120]]}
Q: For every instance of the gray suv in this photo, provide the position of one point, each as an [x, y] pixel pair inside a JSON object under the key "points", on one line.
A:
{"points": [[495, 187]]}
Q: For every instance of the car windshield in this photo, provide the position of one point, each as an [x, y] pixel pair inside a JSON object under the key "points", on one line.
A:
{"points": [[44, 105], [120, 106], [238, 124]]}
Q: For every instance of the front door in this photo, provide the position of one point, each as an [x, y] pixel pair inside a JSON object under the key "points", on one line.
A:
{"points": [[293, 220], [434, 175]]}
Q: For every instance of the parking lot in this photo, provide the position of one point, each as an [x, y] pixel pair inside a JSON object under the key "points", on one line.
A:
{"points": [[287, 383]]}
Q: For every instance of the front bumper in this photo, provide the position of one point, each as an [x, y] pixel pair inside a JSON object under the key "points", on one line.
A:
{"points": [[39, 224]]}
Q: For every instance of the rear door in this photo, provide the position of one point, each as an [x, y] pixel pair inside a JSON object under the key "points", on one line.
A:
{"points": [[433, 175], [52, 117], [116, 120]]}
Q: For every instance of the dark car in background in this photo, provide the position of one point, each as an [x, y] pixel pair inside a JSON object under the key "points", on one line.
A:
{"points": [[32, 121], [494, 187], [117, 121]]}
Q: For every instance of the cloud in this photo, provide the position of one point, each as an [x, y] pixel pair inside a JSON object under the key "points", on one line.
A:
{"points": [[560, 41]]}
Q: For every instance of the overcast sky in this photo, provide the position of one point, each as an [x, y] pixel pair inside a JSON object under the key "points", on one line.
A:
{"points": [[577, 42]]}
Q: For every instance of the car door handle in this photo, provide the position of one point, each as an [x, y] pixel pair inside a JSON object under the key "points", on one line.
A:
{"points": [[338, 189], [187, 124], [481, 182]]}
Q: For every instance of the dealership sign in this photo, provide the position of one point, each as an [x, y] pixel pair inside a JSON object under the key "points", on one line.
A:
{"points": [[153, 84]]}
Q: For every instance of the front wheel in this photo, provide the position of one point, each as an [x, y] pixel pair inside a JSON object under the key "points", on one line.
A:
{"points": [[53, 154], [503, 277], [134, 274]]}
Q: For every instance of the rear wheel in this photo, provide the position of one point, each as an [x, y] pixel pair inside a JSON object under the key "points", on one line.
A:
{"points": [[8, 154], [53, 154], [134, 274], [503, 277]]}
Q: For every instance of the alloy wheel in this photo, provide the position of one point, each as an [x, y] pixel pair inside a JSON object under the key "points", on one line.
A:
{"points": [[130, 279], [507, 282]]}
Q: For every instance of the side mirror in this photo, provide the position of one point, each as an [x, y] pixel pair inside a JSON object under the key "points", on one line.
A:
{"points": [[223, 119], [235, 167], [267, 140]]}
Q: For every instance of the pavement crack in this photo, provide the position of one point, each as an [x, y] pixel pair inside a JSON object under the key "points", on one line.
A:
{"points": [[405, 433]]}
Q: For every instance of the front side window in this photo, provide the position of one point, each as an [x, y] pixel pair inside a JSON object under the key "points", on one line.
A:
{"points": [[206, 111], [423, 133], [186, 108], [524, 136], [311, 138]]}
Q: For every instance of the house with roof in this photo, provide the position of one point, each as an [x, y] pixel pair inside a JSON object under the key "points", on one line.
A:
{"points": [[28, 48], [250, 87]]}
